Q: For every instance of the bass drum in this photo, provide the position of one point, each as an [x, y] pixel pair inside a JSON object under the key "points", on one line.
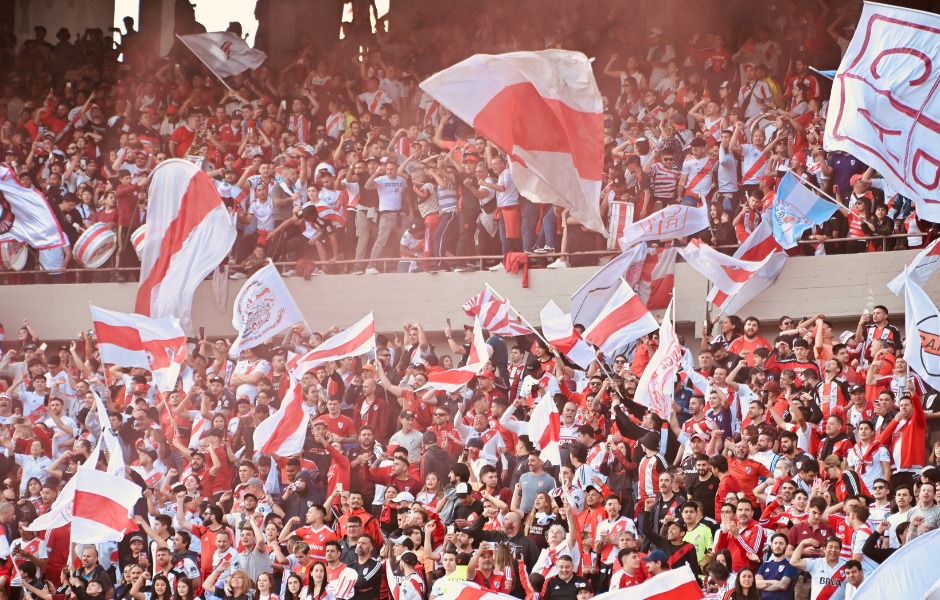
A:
{"points": [[13, 255], [95, 246], [137, 239]]}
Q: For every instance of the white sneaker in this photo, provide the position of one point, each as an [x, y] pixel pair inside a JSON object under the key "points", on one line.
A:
{"points": [[558, 264], [497, 267], [289, 273], [238, 276], [372, 271], [317, 271]]}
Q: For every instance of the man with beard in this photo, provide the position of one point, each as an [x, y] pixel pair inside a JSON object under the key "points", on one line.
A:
{"points": [[745, 345], [836, 441], [703, 486], [774, 576], [369, 571]]}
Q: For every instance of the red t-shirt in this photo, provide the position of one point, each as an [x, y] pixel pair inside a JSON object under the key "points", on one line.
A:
{"points": [[317, 540], [341, 425], [747, 472], [740, 344]]}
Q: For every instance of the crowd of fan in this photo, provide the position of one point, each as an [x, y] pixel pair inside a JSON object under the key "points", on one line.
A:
{"points": [[338, 154], [794, 462]]}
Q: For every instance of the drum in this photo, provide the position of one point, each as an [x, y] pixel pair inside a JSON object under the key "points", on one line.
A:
{"points": [[621, 215], [137, 239], [95, 246], [13, 255]]}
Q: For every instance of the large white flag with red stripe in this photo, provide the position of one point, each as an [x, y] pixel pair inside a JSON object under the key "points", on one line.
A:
{"points": [[129, 340], [545, 111], [454, 379], [25, 215], [658, 277], [545, 429], [223, 52], [735, 282], [920, 268], [675, 584], [189, 232], [656, 388], [353, 341], [102, 507], [593, 295], [496, 317], [263, 308], [283, 433], [624, 319], [559, 331]]}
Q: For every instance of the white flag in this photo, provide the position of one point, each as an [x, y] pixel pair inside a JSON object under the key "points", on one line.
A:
{"points": [[223, 52], [25, 215], [263, 308], [624, 319], [102, 507], [922, 334], [920, 269], [884, 107], [589, 300], [669, 223], [656, 388], [560, 333]]}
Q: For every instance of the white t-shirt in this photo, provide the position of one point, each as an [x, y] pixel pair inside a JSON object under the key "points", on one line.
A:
{"points": [[825, 579], [390, 192], [264, 213], [510, 197]]}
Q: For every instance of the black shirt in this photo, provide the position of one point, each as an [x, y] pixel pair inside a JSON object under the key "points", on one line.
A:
{"points": [[704, 492], [369, 580], [557, 588]]}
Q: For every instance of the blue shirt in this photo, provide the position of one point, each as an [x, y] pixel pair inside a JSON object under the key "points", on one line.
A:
{"points": [[773, 570]]}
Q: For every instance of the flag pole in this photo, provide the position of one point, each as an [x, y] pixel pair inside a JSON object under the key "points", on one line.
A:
{"points": [[518, 314], [217, 76], [829, 196]]}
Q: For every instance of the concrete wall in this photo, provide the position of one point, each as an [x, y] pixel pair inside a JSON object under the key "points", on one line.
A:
{"points": [[77, 15], [840, 287]]}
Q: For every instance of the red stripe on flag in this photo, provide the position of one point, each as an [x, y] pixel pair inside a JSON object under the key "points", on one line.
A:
{"points": [[720, 298], [624, 315], [451, 377], [737, 274], [129, 338], [101, 509], [200, 199], [119, 335], [761, 250], [287, 426], [552, 433], [361, 338], [549, 126], [686, 591]]}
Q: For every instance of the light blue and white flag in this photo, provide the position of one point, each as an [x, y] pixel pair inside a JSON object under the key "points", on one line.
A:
{"points": [[796, 209]]}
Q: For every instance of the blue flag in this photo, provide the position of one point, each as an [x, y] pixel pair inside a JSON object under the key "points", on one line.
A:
{"points": [[796, 209]]}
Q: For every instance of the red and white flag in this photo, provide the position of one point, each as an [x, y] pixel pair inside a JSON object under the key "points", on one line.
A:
{"points": [[102, 507], [223, 52], [496, 318], [559, 331], [189, 232], [284, 432], [590, 299], [25, 215], [658, 277], [919, 269], [624, 319], [353, 341], [883, 108], [674, 584], [129, 340], [454, 379], [735, 282], [545, 111], [656, 389], [263, 308], [545, 429], [669, 223]]}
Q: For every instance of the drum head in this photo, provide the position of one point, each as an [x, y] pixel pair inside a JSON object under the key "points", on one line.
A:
{"points": [[95, 246], [13, 255]]}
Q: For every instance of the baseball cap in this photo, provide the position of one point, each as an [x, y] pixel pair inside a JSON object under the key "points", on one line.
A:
{"points": [[430, 437], [216, 380], [656, 555], [487, 373], [136, 538], [400, 539], [855, 179], [403, 497], [655, 31], [845, 336], [475, 443], [724, 85], [462, 489], [140, 388], [856, 388], [406, 414]]}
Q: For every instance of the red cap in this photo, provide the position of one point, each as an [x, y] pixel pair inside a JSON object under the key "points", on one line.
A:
{"points": [[855, 179], [172, 110], [769, 180], [488, 373]]}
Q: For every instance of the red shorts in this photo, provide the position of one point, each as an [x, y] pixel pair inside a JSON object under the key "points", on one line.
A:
{"points": [[512, 220]]}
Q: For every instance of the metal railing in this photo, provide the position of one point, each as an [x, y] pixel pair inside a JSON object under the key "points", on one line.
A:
{"points": [[129, 274]]}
